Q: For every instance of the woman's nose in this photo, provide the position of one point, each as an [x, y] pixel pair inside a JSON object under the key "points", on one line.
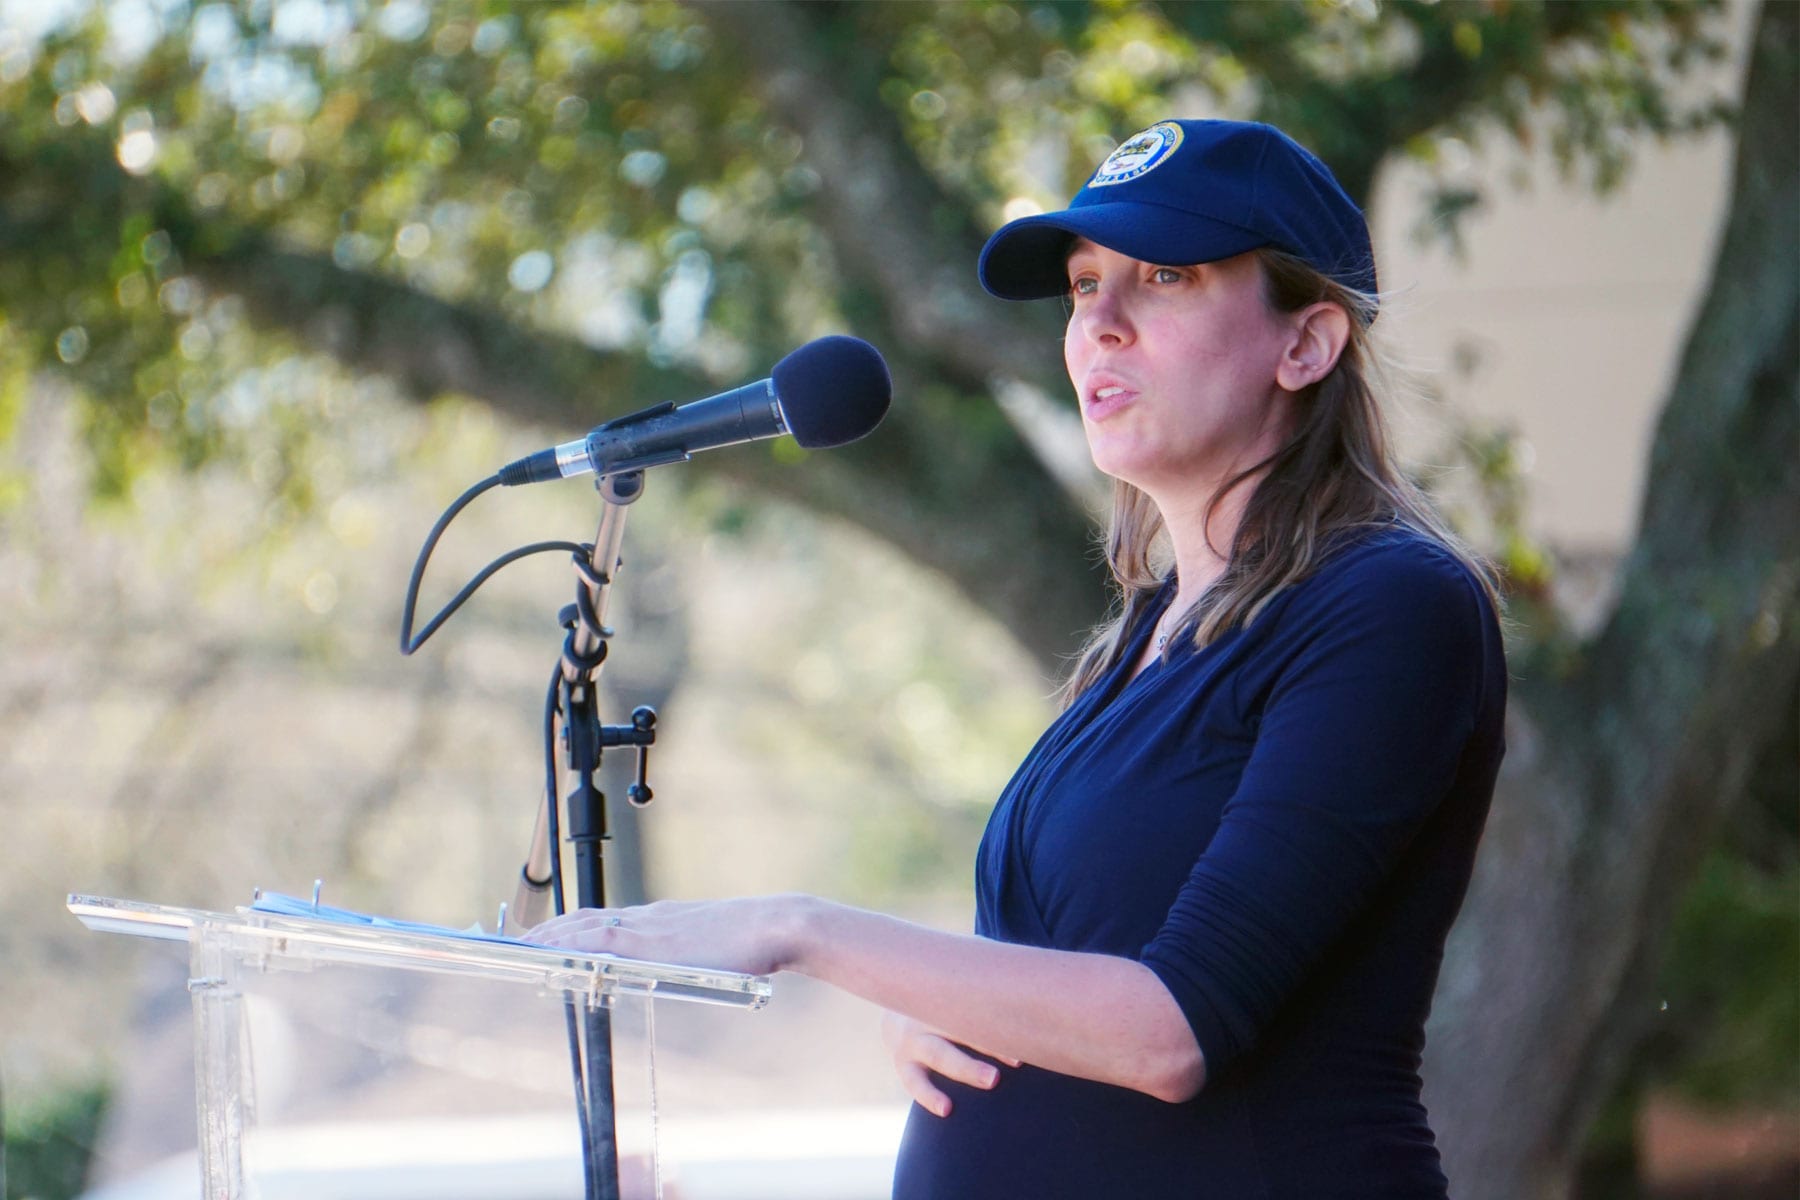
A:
{"points": [[1108, 318]]}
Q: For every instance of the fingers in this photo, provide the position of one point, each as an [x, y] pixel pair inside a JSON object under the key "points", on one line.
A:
{"points": [[895, 1027], [726, 935], [946, 1058], [918, 1085], [920, 1053], [591, 929], [642, 917]]}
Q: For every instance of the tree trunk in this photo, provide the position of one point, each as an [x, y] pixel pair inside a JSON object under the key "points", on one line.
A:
{"points": [[1625, 752]]}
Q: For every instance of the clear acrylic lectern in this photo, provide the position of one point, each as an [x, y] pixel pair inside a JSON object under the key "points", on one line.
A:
{"points": [[501, 983]]}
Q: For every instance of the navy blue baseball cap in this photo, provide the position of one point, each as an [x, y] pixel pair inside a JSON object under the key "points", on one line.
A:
{"points": [[1185, 192]]}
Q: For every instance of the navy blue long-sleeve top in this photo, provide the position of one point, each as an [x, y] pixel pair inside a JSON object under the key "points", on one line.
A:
{"points": [[1281, 825]]}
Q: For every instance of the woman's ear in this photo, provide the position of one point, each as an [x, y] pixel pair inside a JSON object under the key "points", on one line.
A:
{"points": [[1319, 334]]}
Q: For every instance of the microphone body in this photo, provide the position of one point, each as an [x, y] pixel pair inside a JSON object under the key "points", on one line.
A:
{"points": [[828, 392]]}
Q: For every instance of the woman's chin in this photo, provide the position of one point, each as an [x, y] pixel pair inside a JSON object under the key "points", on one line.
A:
{"points": [[1129, 463]]}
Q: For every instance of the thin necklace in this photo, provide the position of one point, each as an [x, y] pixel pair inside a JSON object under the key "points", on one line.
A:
{"points": [[1175, 611], [1162, 631]]}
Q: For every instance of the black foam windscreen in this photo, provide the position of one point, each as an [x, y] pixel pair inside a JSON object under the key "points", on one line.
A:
{"points": [[832, 390]]}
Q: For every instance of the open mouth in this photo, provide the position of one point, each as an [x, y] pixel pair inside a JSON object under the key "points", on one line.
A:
{"points": [[1108, 399]]}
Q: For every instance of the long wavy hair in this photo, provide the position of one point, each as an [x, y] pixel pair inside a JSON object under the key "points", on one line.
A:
{"points": [[1334, 474]]}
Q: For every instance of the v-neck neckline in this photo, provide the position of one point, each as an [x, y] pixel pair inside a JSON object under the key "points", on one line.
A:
{"points": [[1114, 686]]}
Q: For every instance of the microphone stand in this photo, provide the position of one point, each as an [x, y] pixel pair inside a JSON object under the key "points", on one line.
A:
{"points": [[584, 740]]}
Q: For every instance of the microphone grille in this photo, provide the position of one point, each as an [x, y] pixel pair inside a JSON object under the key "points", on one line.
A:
{"points": [[832, 390]]}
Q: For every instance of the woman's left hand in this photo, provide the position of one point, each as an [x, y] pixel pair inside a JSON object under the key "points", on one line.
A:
{"points": [[754, 935], [920, 1053]]}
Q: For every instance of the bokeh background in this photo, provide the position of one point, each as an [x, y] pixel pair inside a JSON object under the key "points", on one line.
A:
{"points": [[278, 280]]}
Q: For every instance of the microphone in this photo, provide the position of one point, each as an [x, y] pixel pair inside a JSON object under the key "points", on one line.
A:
{"points": [[830, 391]]}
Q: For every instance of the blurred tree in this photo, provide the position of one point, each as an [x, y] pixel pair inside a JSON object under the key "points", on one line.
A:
{"points": [[51, 1145], [535, 204], [542, 205]]}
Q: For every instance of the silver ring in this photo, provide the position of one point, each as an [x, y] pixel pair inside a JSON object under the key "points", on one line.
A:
{"points": [[614, 922]]}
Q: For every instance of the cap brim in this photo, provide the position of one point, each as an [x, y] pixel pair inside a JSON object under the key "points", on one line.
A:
{"points": [[1025, 259]]}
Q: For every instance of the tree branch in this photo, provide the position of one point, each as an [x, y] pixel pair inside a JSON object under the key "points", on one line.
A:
{"points": [[892, 229], [933, 462]]}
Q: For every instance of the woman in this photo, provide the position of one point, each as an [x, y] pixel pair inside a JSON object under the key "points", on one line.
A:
{"points": [[1213, 900]]}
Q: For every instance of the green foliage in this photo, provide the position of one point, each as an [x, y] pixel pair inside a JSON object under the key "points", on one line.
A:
{"points": [[1726, 1027], [1732, 1028], [1498, 462], [471, 159], [605, 171], [1730, 982], [49, 1143]]}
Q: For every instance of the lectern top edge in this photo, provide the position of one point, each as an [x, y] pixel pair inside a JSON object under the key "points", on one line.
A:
{"points": [[297, 941]]}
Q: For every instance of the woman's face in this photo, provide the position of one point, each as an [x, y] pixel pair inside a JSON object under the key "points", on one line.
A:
{"points": [[1175, 368]]}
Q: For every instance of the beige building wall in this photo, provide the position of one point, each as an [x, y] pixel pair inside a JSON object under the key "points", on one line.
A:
{"points": [[1576, 307]]}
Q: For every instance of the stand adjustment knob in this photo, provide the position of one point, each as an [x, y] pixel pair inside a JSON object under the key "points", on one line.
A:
{"points": [[643, 723]]}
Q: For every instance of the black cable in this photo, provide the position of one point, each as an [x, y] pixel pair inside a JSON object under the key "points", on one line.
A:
{"points": [[552, 829], [571, 1013], [408, 643], [576, 1064]]}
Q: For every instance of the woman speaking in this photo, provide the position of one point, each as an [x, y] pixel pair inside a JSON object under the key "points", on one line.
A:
{"points": [[1212, 902]]}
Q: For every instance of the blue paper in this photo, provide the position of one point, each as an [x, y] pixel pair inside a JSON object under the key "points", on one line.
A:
{"points": [[278, 904]]}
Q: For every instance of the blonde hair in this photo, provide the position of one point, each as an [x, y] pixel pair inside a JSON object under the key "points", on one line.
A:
{"points": [[1334, 474]]}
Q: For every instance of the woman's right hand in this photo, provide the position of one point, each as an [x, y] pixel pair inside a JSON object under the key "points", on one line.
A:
{"points": [[920, 1052]]}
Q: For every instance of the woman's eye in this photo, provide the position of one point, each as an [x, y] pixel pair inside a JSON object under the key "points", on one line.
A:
{"points": [[1166, 275], [1083, 285]]}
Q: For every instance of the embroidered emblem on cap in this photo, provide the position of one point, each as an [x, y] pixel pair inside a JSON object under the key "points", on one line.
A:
{"points": [[1138, 154]]}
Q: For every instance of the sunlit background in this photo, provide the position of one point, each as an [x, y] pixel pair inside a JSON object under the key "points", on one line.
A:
{"points": [[279, 280]]}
